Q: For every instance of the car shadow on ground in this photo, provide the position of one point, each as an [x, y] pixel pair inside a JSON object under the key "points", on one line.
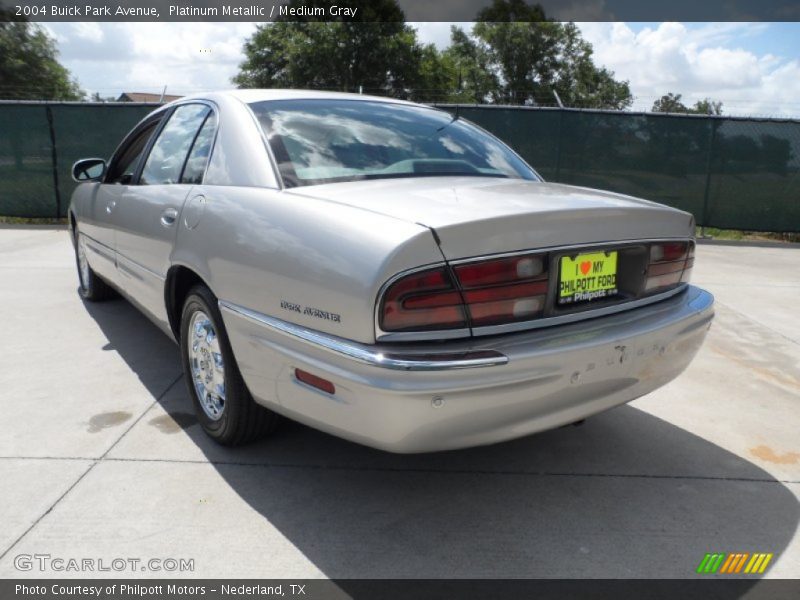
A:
{"points": [[625, 495]]}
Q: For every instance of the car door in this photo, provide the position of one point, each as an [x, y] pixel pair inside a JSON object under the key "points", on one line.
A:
{"points": [[148, 212], [99, 225]]}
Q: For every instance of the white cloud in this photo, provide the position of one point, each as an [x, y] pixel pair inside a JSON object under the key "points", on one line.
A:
{"points": [[88, 32], [707, 61], [713, 60], [436, 33], [144, 57]]}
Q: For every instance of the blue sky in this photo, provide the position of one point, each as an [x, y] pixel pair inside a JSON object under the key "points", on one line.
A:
{"points": [[775, 38], [753, 68]]}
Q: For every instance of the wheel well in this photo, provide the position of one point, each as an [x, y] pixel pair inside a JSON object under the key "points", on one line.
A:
{"points": [[180, 280], [73, 225]]}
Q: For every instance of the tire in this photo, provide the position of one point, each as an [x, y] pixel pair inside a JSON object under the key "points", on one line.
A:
{"points": [[91, 286], [222, 403]]}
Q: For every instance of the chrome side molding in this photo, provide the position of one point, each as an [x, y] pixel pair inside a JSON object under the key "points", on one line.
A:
{"points": [[367, 354]]}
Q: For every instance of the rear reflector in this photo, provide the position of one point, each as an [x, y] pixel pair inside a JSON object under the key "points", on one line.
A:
{"points": [[314, 381]]}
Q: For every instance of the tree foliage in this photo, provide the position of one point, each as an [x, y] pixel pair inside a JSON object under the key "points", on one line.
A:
{"points": [[534, 60], [672, 103], [708, 107], [29, 67], [377, 52], [473, 78], [512, 55]]}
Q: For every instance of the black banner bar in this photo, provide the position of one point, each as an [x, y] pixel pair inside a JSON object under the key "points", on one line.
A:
{"points": [[714, 587], [414, 10]]}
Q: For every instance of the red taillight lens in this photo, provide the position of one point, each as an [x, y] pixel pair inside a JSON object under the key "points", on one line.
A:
{"points": [[493, 292], [503, 270], [504, 290], [670, 264], [687, 270], [424, 300]]}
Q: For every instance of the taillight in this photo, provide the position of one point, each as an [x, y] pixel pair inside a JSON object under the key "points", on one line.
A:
{"points": [[423, 300], [504, 290], [513, 289], [491, 292], [670, 264]]}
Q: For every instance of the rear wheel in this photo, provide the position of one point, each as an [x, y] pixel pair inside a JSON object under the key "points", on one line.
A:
{"points": [[223, 405], [91, 286]]}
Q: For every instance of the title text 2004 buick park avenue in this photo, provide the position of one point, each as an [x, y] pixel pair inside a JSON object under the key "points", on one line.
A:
{"points": [[382, 271]]}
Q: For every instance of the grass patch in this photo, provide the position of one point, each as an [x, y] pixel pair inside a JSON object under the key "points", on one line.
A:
{"points": [[755, 236]]}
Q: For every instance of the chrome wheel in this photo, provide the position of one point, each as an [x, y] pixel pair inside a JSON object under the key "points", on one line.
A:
{"points": [[83, 263], [205, 361]]}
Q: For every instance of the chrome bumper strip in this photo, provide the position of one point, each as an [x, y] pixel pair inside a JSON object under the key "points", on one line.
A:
{"points": [[369, 355]]}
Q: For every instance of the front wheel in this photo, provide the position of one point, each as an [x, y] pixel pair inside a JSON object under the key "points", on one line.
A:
{"points": [[91, 286], [223, 405]]}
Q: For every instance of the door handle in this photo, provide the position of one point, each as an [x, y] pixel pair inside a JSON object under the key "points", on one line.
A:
{"points": [[168, 217]]}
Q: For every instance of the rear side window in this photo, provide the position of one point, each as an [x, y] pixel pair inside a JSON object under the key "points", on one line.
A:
{"points": [[201, 149], [165, 162]]}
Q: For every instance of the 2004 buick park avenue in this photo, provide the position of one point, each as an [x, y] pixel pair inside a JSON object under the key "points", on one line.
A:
{"points": [[382, 271]]}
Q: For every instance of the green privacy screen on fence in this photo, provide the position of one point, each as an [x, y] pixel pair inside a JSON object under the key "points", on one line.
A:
{"points": [[28, 154], [729, 172]]}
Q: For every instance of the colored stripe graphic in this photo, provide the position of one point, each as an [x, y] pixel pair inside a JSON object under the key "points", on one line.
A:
{"points": [[729, 562], [710, 563], [759, 562], [734, 562]]}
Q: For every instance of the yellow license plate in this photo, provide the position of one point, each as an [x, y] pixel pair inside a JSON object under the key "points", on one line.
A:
{"points": [[590, 276]]}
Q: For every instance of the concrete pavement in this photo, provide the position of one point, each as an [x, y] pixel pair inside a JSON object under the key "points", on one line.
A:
{"points": [[101, 457]]}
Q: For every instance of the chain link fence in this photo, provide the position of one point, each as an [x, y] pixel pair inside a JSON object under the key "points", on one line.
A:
{"points": [[730, 172]]}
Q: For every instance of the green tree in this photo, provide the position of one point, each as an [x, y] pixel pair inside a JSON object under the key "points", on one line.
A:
{"points": [[673, 103], [472, 78], [529, 60], [29, 67], [377, 51], [708, 107], [436, 76], [670, 103]]}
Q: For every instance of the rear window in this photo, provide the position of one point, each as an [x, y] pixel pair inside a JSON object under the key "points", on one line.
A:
{"points": [[325, 141]]}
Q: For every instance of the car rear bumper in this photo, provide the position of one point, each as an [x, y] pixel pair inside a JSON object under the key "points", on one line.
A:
{"points": [[412, 398]]}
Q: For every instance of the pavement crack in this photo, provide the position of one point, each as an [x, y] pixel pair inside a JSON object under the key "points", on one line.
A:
{"points": [[94, 463], [48, 511], [155, 401], [445, 471]]}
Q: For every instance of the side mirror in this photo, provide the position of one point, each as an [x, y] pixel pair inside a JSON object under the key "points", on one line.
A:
{"points": [[89, 169]]}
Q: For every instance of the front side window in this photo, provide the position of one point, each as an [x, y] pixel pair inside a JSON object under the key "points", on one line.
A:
{"points": [[165, 162], [324, 141], [124, 165]]}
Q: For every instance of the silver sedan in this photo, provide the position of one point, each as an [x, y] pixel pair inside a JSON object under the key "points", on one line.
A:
{"points": [[382, 271]]}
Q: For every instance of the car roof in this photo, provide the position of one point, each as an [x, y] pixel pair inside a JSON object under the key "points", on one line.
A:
{"points": [[259, 95]]}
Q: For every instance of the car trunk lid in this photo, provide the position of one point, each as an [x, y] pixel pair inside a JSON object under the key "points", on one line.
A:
{"points": [[480, 216]]}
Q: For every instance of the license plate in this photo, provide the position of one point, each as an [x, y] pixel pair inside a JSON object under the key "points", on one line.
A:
{"points": [[589, 276]]}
